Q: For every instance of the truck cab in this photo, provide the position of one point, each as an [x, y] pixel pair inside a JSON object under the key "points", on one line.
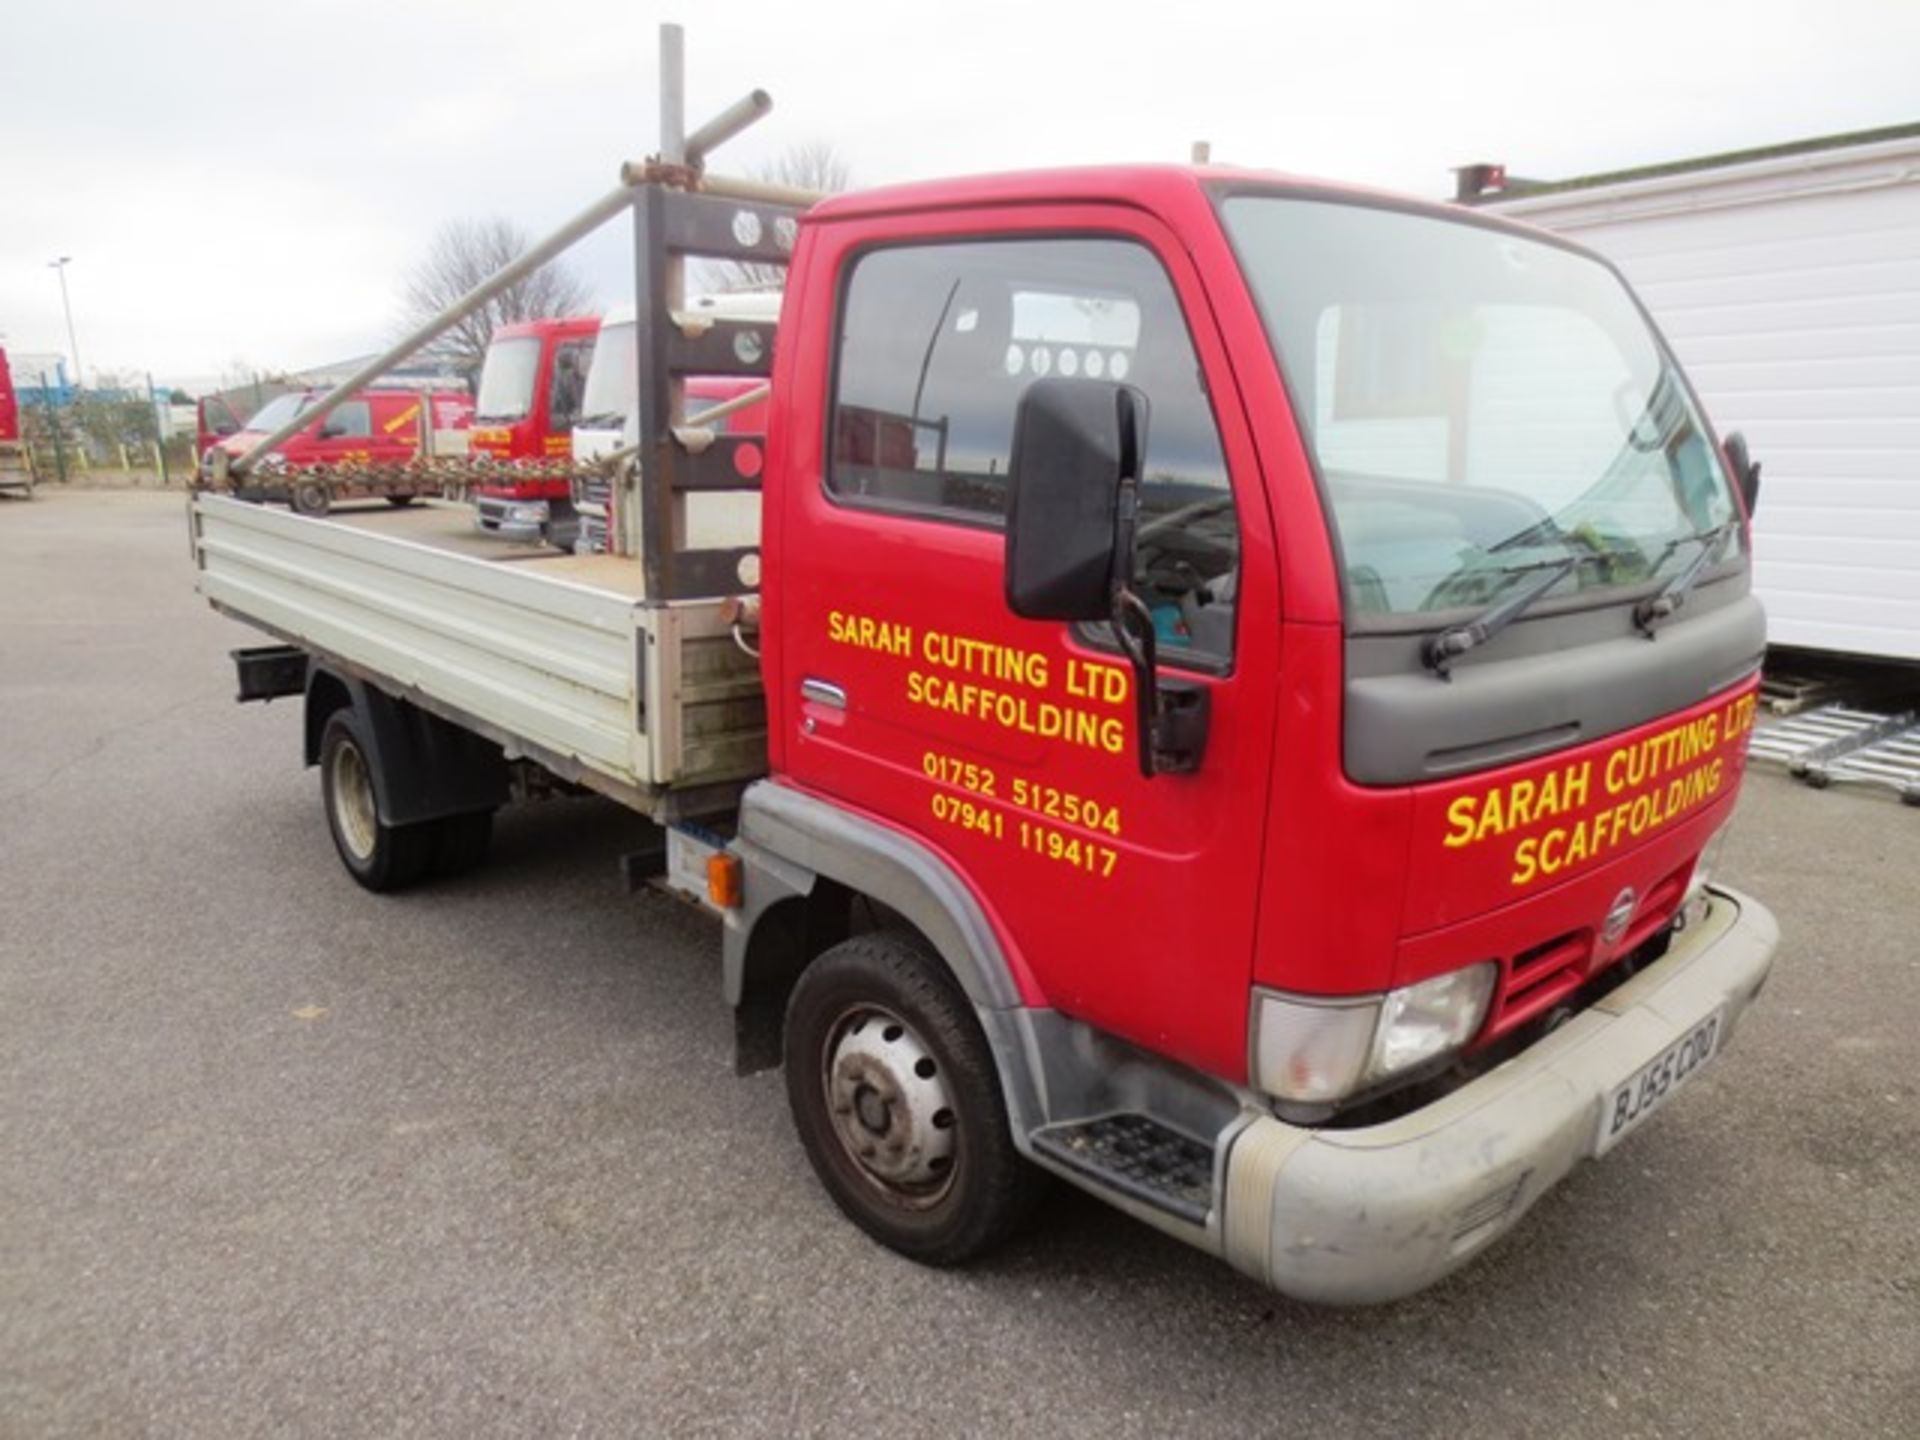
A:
{"points": [[532, 383], [9, 403], [16, 469], [1384, 747]]}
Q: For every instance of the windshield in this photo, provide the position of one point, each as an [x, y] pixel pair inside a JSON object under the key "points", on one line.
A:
{"points": [[275, 413], [611, 390], [1480, 405], [506, 379]]}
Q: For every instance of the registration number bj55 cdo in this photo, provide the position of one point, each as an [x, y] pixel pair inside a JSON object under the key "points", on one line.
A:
{"points": [[1657, 1081]]}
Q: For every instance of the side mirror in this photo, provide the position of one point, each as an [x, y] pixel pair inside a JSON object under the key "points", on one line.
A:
{"points": [[1072, 495], [1746, 470], [1074, 444]]}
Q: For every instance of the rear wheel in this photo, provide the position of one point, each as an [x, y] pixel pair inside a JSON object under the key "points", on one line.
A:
{"points": [[381, 857], [898, 1104], [399, 502]]}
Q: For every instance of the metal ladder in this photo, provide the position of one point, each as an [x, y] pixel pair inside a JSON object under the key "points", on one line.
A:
{"points": [[1838, 743]]}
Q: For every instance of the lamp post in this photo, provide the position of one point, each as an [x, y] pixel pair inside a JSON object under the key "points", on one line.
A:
{"points": [[73, 343]]}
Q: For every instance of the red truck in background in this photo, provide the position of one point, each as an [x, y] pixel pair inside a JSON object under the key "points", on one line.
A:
{"points": [[316, 466], [532, 384], [9, 402], [16, 464]]}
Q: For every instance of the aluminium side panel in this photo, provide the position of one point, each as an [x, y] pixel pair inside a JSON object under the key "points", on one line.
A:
{"points": [[1790, 289], [543, 659]]}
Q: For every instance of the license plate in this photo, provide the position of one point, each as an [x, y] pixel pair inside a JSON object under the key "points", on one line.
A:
{"points": [[1657, 1081]]}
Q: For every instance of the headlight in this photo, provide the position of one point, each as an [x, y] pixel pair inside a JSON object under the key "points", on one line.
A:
{"points": [[1317, 1052], [1420, 1022]]}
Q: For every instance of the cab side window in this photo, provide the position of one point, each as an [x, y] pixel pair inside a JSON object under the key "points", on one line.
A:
{"points": [[351, 420], [570, 360], [937, 343]]}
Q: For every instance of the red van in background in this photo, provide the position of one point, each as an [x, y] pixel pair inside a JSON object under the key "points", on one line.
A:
{"points": [[384, 425], [531, 386]]}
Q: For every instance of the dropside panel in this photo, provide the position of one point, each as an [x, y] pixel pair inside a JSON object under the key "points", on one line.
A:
{"points": [[535, 656]]}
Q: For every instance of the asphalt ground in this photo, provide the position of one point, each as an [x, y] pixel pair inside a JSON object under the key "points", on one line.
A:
{"points": [[278, 1156]]}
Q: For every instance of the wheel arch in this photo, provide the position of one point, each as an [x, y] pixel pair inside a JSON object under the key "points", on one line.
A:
{"points": [[423, 767], [326, 693], [805, 862]]}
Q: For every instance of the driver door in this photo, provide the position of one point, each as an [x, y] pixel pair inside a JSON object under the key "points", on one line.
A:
{"points": [[345, 436], [1010, 746]]}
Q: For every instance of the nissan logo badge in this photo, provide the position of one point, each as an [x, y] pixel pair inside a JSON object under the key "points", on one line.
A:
{"points": [[1619, 915]]}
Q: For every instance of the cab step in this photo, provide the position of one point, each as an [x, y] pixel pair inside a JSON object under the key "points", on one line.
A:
{"points": [[1139, 1157]]}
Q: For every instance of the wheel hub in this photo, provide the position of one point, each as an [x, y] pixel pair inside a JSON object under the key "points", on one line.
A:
{"points": [[890, 1105], [353, 801]]}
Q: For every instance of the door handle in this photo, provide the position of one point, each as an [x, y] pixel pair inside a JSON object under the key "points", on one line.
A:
{"points": [[823, 692]]}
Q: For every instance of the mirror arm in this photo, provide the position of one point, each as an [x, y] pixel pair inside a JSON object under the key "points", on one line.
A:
{"points": [[1126, 609], [1141, 648]]}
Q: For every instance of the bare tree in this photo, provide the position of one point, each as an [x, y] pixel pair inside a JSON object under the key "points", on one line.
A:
{"points": [[465, 252], [813, 165]]}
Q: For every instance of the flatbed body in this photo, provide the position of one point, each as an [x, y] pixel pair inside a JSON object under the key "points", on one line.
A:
{"points": [[556, 658]]}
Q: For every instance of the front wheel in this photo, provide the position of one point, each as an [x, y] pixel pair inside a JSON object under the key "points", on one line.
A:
{"points": [[898, 1105]]}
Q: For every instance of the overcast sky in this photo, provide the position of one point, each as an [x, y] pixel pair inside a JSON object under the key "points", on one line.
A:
{"points": [[248, 183]]}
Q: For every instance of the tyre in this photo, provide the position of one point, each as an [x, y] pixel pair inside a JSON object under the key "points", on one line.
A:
{"points": [[461, 842], [310, 497], [898, 1104], [399, 502], [381, 857]]}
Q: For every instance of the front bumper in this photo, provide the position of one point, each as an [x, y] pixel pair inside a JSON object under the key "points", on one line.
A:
{"points": [[1361, 1216], [512, 519]]}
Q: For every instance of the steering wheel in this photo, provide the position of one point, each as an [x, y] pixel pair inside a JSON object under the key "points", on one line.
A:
{"points": [[1160, 524]]}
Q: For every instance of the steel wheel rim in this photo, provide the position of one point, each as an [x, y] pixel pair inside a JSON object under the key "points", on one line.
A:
{"points": [[353, 805], [889, 1107]]}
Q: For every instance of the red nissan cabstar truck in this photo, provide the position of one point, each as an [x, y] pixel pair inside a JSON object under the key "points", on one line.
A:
{"points": [[532, 383], [1232, 702]]}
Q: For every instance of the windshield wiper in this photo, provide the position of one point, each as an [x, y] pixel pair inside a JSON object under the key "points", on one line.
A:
{"points": [[1456, 640], [1651, 611]]}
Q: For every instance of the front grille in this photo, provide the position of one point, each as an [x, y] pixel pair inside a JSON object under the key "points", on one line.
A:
{"points": [[1537, 979], [1537, 987]]}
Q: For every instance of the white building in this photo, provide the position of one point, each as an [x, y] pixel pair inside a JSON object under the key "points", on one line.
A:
{"points": [[1788, 281]]}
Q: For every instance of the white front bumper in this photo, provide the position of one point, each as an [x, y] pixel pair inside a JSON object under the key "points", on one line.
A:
{"points": [[1372, 1214]]}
